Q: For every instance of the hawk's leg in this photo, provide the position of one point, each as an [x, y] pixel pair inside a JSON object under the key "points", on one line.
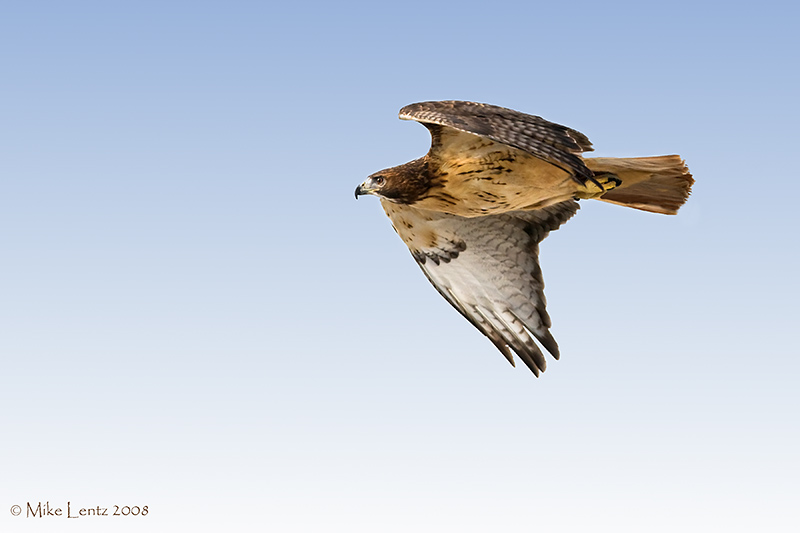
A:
{"points": [[599, 185]]}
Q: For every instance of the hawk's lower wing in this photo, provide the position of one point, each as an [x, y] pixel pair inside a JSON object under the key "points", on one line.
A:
{"points": [[488, 269]]}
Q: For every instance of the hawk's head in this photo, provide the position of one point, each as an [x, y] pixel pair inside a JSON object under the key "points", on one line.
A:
{"points": [[404, 184]]}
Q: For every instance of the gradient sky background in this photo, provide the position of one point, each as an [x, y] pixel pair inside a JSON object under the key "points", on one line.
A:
{"points": [[197, 316]]}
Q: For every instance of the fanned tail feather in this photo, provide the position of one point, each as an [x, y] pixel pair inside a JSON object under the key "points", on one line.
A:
{"points": [[658, 184]]}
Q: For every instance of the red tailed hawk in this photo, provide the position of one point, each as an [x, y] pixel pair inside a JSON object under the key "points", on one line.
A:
{"points": [[493, 185]]}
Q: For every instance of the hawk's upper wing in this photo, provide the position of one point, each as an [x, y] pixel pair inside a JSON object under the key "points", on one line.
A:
{"points": [[553, 143], [488, 269]]}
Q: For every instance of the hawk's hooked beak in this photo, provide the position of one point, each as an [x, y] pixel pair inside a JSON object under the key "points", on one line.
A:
{"points": [[368, 187]]}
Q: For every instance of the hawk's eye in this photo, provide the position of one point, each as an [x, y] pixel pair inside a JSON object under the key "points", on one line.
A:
{"points": [[378, 180]]}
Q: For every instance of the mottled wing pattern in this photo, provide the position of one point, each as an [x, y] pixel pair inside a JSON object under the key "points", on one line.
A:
{"points": [[546, 140], [488, 269]]}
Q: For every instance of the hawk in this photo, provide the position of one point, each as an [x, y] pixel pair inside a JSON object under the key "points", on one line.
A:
{"points": [[495, 182]]}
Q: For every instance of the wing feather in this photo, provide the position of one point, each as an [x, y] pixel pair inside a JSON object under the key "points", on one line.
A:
{"points": [[492, 274], [551, 142]]}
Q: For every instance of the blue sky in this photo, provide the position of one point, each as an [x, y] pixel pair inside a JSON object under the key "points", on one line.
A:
{"points": [[195, 315]]}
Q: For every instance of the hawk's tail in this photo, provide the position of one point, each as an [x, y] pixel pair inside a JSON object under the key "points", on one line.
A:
{"points": [[659, 184]]}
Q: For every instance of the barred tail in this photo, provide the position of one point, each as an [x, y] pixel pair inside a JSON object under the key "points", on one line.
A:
{"points": [[658, 184]]}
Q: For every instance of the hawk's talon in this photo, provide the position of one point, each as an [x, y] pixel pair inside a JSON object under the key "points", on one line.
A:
{"points": [[602, 183], [597, 183]]}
